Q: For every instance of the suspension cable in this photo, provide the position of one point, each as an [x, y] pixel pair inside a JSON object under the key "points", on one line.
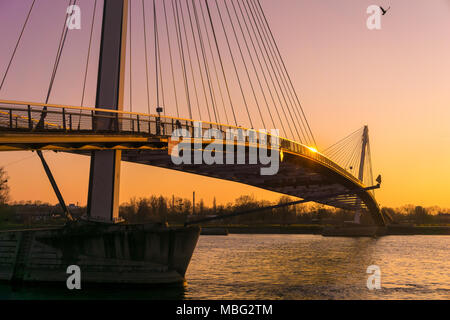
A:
{"points": [[232, 59], [58, 55], [17, 44], [260, 63], [253, 63], [216, 73], [155, 31], [171, 59], [181, 51], [267, 61], [87, 62], [131, 60], [199, 64], [220, 59], [62, 42], [89, 52], [191, 67], [160, 66], [245, 64], [146, 55], [343, 139], [205, 62], [289, 77], [274, 69], [290, 104]]}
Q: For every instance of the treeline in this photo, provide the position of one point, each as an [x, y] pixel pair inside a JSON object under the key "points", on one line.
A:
{"points": [[418, 215], [176, 210]]}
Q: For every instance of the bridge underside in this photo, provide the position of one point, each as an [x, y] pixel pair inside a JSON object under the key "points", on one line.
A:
{"points": [[298, 175]]}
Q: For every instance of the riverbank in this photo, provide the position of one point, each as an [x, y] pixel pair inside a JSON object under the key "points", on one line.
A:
{"points": [[318, 229], [273, 229]]}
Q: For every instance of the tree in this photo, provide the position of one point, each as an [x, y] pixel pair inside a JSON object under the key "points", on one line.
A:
{"points": [[201, 207], [421, 215], [285, 214], [4, 188]]}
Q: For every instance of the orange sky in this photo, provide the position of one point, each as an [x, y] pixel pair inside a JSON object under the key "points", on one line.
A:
{"points": [[396, 80]]}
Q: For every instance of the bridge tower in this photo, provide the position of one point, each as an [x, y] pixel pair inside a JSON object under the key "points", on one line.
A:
{"points": [[365, 140], [104, 177]]}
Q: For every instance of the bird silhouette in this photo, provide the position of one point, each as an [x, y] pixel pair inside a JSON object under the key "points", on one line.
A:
{"points": [[379, 179], [384, 11]]}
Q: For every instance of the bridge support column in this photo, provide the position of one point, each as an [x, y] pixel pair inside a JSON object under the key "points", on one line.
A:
{"points": [[104, 183], [365, 139], [103, 197]]}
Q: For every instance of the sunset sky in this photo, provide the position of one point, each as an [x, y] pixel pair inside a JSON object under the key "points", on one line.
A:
{"points": [[395, 80]]}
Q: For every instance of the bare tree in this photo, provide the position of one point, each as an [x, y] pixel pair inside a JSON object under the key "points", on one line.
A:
{"points": [[4, 188]]}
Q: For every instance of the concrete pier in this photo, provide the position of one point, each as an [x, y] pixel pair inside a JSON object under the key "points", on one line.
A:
{"points": [[106, 254]]}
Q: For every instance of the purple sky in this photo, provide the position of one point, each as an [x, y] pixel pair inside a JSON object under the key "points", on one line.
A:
{"points": [[396, 80]]}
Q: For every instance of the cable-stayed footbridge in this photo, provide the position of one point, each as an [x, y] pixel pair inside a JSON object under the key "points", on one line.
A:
{"points": [[209, 61]]}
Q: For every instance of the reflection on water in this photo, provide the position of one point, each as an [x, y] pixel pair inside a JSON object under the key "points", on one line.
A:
{"points": [[315, 267], [292, 267]]}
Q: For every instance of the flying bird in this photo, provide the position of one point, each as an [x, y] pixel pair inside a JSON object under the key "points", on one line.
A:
{"points": [[379, 179], [384, 11]]}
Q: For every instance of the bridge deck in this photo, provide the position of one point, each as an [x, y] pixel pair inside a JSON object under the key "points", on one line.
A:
{"points": [[144, 138]]}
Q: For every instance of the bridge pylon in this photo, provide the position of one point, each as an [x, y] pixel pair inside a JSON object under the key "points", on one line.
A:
{"points": [[104, 178], [365, 141]]}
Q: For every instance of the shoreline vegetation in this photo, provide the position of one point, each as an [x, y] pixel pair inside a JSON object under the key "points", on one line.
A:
{"points": [[299, 219], [302, 218]]}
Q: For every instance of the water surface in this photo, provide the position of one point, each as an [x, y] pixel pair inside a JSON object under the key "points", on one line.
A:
{"points": [[316, 267], [292, 267]]}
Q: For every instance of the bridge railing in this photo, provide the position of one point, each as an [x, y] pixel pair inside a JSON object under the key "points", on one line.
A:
{"points": [[34, 117], [51, 118]]}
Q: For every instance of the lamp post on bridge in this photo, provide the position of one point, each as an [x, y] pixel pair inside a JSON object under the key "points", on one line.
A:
{"points": [[158, 120]]}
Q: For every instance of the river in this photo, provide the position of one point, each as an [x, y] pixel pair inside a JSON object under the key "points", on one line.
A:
{"points": [[294, 267]]}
